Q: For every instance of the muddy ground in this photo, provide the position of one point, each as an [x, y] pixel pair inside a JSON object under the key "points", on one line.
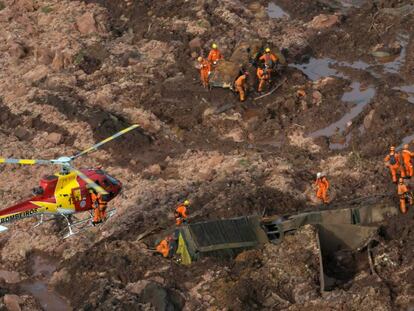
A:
{"points": [[76, 72]]}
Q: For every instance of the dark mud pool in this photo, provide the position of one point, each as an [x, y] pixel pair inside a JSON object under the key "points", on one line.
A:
{"points": [[42, 267]]}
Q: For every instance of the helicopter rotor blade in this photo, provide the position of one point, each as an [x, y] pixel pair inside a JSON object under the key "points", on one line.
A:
{"points": [[89, 182], [96, 146], [25, 161]]}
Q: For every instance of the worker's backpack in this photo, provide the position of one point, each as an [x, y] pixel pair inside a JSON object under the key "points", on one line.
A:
{"points": [[393, 159]]}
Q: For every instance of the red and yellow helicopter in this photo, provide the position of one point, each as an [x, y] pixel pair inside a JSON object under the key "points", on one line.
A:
{"points": [[64, 193]]}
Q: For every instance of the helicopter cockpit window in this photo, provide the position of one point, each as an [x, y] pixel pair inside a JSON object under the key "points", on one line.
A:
{"points": [[38, 191], [112, 180]]}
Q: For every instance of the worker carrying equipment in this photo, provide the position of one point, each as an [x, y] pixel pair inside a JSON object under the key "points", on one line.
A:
{"points": [[205, 70], [181, 213], [215, 55], [392, 160], [322, 186], [269, 59], [406, 160], [405, 196], [263, 77], [99, 205], [241, 87]]}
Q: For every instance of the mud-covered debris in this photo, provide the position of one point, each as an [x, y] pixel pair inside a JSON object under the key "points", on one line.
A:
{"points": [[324, 21]]}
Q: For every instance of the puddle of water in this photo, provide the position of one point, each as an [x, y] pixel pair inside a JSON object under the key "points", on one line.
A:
{"points": [[360, 97], [275, 11], [409, 90], [318, 68], [394, 66], [43, 268], [352, 3], [359, 64]]}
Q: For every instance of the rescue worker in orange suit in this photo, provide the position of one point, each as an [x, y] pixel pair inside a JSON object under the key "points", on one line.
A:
{"points": [[263, 77], [269, 60], [240, 85], [392, 160], [205, 69], [406, 159], [322, 186], [99, 204], [164, 247], [181, 214], [405, 196], [215, 55]]}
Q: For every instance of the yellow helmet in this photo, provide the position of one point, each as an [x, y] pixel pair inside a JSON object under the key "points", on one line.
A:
{"points": [[186, 203], [200, 59], [267, 50], [214, 46]]}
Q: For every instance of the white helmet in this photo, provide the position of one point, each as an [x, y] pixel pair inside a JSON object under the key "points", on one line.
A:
{"points": [[318, 175]]}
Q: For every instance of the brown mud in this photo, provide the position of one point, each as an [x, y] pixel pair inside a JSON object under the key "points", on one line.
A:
{"points": [[229, 158]]}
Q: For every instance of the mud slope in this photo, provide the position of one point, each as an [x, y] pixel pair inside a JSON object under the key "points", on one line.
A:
{"points": [[75, 72]]}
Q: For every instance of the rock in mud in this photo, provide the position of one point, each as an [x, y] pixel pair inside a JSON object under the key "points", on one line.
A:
{"points": [[43, 55], [323, 21], [21, 133], [54, 138], [368, 119], [17, 50], [37, 74], [10, 277], [137, 287], [25, 5], [153, 170], [195, 44], [157, 296], [316, 98], [86, 24], [12, 302]]}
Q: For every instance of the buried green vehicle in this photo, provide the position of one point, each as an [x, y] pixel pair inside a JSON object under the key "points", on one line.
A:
{"points": [[340, 231]]}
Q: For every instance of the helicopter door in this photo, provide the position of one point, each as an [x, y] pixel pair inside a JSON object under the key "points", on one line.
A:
{"points": [[81, 199]]}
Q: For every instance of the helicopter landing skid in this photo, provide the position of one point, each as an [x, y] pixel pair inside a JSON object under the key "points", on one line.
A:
{"points": [[78, 226]]}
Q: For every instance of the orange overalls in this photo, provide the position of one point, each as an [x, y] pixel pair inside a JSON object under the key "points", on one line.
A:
{"points": [[240, 85], [322, 186], [180, 214], [404, 194], [263, 78], [393, 160], [406, 157], [214, 56], [99, 208], [205, 69], [269, 59], [163, 248]]}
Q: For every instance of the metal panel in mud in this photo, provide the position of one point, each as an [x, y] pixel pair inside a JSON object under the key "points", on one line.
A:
{"points": [[223, 238], [336, 239], [362, 215], [375, 214]]}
